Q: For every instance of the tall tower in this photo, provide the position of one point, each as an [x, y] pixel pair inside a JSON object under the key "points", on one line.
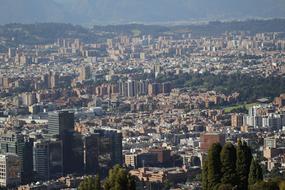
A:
{"points": [[110, 149], [40, 160], [156, 69], [91, 153], [47, 159], [61, 125], [132, 88], [53, 80], [85, 73], [60, 122]]}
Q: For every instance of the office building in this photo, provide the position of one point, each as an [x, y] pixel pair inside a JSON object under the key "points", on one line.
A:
{"points": [[40, 160], [61, 125], [12, 142], [74, 154], [47, 159], [110, 149], [91, 144], [60, 122]]}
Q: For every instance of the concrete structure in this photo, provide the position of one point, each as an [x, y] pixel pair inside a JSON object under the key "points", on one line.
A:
{"points": [[10, 170]]}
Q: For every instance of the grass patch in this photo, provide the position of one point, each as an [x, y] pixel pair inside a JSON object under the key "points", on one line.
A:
{"points": [[231, 108], [136, 32]]}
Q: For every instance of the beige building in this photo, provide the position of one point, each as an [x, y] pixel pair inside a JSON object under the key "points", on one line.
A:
{"points": [[174, 175], [84, 73], [236, 120], [130, 159]]}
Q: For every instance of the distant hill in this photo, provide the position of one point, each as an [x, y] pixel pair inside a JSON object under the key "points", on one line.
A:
{"points": [[41, 33], [141, 11]]}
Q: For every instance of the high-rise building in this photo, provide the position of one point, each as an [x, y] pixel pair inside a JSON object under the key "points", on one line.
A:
{"points": [[53, 80], [91, 146], [123, 88], [11, 53], [45, 80], [47, 159], [237, 120], [12, 142], [40, 160], [85, 73], [55, 159], [10, 170], [153, 89], [166, 87], [61, 125], [132, 88], [156, 69], [75, 154], [60, 122], [110, 149], [142, 87], [29, 98]]}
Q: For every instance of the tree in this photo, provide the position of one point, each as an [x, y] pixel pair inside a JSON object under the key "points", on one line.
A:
{"points": [[119, 179], [214, 166], [90, 183], [97, 183], [262, 185], [275, 172], [255, 173], [282, 185], [225, 187], [243, 162], [228, 161], [205, 175], [167, 185]]}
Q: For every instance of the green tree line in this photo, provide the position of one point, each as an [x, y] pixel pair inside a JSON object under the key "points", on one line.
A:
{"points": [[118, 179], [233, 168], [250, 87], [230, 167]]}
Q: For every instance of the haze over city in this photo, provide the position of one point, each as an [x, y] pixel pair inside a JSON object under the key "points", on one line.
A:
{"points": [[88, 12], [142, 94]]}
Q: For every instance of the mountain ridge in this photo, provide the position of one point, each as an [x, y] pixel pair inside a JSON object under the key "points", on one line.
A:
{"points": [[128, 11]]}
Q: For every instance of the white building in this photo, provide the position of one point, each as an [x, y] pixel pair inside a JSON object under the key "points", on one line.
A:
{"points": [[10, 170]]}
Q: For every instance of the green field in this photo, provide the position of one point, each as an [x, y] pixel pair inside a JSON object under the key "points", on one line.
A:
{"points": [[136, 32], [229, 109]]}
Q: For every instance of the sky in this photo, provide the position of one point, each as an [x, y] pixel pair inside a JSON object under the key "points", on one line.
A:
{"points": [[88, 12]]}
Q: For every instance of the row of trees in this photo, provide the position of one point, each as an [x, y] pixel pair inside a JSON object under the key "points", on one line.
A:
{"points": [[250, 87], [230, 167], [118, 179]]}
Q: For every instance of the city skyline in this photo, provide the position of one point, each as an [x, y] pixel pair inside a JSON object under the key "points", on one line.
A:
{"points": [[189, 96]]}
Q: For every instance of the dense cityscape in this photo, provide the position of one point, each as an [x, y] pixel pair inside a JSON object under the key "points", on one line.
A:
{"points": [[143, 106]]}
